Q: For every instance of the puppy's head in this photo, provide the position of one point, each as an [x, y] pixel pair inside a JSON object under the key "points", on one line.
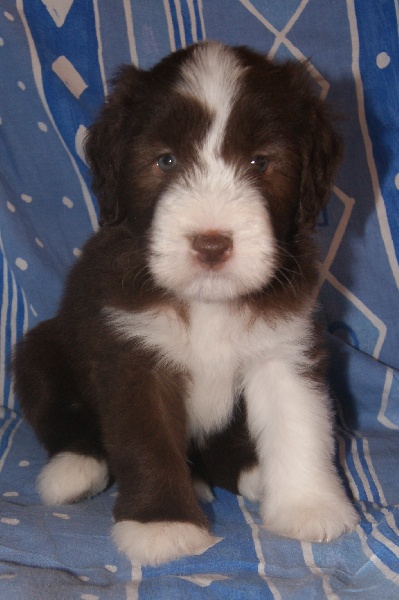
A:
{"points": [[216, 159]]}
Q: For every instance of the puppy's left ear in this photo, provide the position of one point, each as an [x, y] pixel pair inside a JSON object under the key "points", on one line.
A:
{"points": [[321, 156]]}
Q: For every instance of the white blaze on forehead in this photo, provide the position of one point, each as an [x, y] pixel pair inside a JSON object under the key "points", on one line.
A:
{"points": [[211, 76]]}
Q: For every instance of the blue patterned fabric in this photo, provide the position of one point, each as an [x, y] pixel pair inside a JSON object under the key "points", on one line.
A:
{"points": [[56, 57]]}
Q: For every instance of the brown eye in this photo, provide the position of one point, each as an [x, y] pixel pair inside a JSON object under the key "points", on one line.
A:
{"points": [[260, 163], [167, 162]]}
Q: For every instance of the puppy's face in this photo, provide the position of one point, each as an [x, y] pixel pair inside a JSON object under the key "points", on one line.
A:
{"points": [[216, 159]]}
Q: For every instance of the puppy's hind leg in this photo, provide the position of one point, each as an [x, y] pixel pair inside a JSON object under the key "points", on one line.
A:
{"points": [[228, 458], [63, 421], [69, 477]]}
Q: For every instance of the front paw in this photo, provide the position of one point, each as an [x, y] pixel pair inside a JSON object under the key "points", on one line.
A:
{"points": [[250, 483], [316, 520], [158, 542]]}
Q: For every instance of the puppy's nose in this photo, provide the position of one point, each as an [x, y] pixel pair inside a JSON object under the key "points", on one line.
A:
{"points": [[212, 247]]}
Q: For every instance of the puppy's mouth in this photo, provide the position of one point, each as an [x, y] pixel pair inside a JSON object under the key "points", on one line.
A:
{"points": [[214, 244], [211, 249]]}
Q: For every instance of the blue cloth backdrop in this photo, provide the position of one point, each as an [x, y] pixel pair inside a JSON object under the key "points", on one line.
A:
{"points": [[56, 58]]}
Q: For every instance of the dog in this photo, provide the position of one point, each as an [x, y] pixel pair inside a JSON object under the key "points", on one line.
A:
{"points": [[186, 348]]}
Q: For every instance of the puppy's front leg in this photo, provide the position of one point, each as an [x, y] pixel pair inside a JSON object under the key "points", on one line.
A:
{"points": [[157, 516], [289, 416]]}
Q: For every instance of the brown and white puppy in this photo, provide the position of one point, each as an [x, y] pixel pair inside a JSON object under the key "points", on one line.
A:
{"points": [[186, 333]]}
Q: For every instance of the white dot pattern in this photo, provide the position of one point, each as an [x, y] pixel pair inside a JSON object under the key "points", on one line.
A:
{"points": [[383, 60]]}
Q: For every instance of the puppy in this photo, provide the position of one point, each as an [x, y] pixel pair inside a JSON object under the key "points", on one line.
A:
{"points": [[185, 342]]}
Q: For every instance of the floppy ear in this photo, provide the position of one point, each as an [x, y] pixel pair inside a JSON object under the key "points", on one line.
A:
{"points": [[321, 156], [107, 140]]}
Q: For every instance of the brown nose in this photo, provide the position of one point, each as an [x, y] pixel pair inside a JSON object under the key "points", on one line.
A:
{"points": [[212, 248]]}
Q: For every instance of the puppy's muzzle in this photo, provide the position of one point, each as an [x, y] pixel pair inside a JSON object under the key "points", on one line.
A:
{"points": [[212, 248]]}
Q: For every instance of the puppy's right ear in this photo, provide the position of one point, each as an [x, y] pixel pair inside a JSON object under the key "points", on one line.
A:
{"points": [[107, 139]]}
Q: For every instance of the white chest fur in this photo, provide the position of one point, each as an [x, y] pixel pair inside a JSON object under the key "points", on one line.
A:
{"points": [[216, 347]]}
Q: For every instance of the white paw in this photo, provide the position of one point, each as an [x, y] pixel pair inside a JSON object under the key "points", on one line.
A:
{"points": [[157, 542], [250, 485], [68, 477], [321, 519], [202, 491]]}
